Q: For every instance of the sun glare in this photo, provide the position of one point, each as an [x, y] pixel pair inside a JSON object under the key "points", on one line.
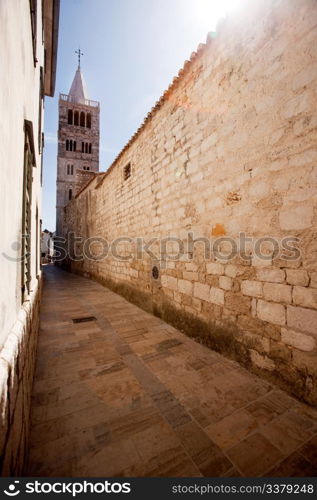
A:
{"points": [[210, 12]]}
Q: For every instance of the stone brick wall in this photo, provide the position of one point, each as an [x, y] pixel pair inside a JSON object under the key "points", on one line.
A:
{"points": [[17, 361], [82, 178], [229, 148]]}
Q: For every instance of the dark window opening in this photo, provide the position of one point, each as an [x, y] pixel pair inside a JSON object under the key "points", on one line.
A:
{"points": [[70, 169], [86, 147], [82, 119], [90, 148], [70, 117], [70, 145], [76, 118], [82, 147], [33, 12], [127, 171], [70, 194], [88, 124]]}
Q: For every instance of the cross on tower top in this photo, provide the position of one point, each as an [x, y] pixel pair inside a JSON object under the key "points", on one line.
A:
{"points": [[79, 54]]}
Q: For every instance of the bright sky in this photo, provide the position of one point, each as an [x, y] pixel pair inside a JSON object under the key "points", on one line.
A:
{"points": [[132, 50]]}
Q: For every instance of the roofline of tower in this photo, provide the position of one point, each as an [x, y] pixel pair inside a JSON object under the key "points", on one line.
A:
{"points": [[86, 102]]}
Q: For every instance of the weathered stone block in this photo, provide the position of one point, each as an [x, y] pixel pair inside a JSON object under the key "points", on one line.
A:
{"points": [[217, 296], [171, 283], [252, 288], [261, 361], [272, 275], [225, 282], [215, 268], [270, 312], [298, 340], [277, 292], [190, 275], [297, 277], [305, 361], [201, 291], [185, 286], [302, 319], [233, 271], [190, 266], [306, 297], [238, 303], [296, 217], [254, 341], [280, 351]]}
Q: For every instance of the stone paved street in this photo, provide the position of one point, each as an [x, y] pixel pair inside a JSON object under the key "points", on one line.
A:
{"points": [[128, 395]]}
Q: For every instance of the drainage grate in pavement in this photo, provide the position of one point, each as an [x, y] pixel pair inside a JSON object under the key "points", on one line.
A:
{"points": [[84, 319]]}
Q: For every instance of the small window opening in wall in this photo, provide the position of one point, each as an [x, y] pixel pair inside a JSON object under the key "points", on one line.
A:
{"points": [[70, 169], [127, 171], [155, 272], [70, 194], [70, 117]]}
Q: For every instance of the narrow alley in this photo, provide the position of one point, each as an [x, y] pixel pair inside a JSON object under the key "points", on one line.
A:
{"points": [[125, 394]]}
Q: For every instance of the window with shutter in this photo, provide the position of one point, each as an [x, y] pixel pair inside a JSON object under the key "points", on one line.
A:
{"points": [[29, 163], [33, 13]]}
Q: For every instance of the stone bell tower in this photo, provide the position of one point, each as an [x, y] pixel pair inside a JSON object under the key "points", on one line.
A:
{"points": [[78, 142]]}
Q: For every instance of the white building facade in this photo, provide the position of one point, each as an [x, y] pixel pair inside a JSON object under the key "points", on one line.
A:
{"points": [[28, 52]]}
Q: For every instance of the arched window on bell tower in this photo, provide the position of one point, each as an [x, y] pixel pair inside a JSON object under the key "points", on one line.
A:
{"points": [[70, 117], [82, 119], [88, 120], [76, 118], [70, 194]]}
